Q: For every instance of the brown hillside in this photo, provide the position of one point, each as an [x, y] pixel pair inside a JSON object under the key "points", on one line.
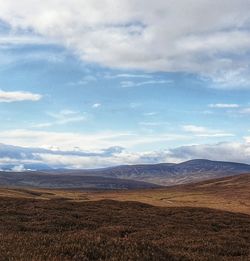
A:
{"points": [[229, 194]]}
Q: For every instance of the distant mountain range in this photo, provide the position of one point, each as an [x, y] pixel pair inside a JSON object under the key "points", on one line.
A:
{"points": [[168, 173], [126, 176]]}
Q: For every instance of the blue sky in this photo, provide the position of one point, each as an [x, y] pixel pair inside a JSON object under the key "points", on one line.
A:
{"points": [[155, 82]]}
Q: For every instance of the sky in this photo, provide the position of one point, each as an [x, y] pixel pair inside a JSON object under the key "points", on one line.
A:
{"points": [[90, 83]]}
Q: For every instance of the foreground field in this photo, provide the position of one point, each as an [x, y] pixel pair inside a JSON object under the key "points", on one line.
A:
{"points": [[110, 230], [209, 220]]}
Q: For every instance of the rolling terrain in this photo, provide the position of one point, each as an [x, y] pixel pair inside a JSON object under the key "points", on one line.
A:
{"points": [[208, 220], [110, 230], [167, 174], [125, 177], [45, 180], [229, 194]]}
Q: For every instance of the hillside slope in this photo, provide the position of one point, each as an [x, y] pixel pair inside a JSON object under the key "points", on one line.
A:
{"points": [[44, 180], [167, 173], [228, 194], [126, 176]]}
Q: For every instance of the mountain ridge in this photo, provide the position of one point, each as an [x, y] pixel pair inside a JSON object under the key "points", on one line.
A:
{"points": [[163, 174], [168, 173]]}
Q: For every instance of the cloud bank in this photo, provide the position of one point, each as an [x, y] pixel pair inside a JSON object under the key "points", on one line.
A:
{"points": [[208, 37], [20, 158]]}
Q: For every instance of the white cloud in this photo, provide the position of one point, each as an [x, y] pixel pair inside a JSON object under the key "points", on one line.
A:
{"points": [[245, 111], [128, 75], [201, 131], [207, 37], [124, 157], [224, 151], [18, 168], [224, 105], [84, 141], [96, 105], [126, 84], [18, 96], [231, 78]]}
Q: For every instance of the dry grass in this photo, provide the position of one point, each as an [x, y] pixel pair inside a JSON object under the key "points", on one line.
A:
{"points": [[110, 230], [229, 194], [72, 225]]}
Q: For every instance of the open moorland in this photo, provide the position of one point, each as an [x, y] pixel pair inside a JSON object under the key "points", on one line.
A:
{"points": [[229, 194], [204, 221], [111, 230]]}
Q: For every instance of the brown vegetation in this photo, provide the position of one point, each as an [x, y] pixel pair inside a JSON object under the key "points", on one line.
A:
{"points": [[229, 194], [110, 230], [42, 224]]}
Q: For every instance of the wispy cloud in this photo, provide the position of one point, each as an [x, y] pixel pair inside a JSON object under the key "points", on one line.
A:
{"points": [[127, 75], [85, 80], [126, 84], [201, 131], [18, 96], [135, 105], [84, 141], [61, 118], [234, 78], [153, 123], [245, 111], [224, 105]]}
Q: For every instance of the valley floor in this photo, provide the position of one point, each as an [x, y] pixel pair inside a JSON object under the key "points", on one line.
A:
{"points": [[229, 194]]}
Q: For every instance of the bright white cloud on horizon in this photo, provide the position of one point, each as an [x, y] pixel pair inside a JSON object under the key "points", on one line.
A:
{"points": [[132, 74]]}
